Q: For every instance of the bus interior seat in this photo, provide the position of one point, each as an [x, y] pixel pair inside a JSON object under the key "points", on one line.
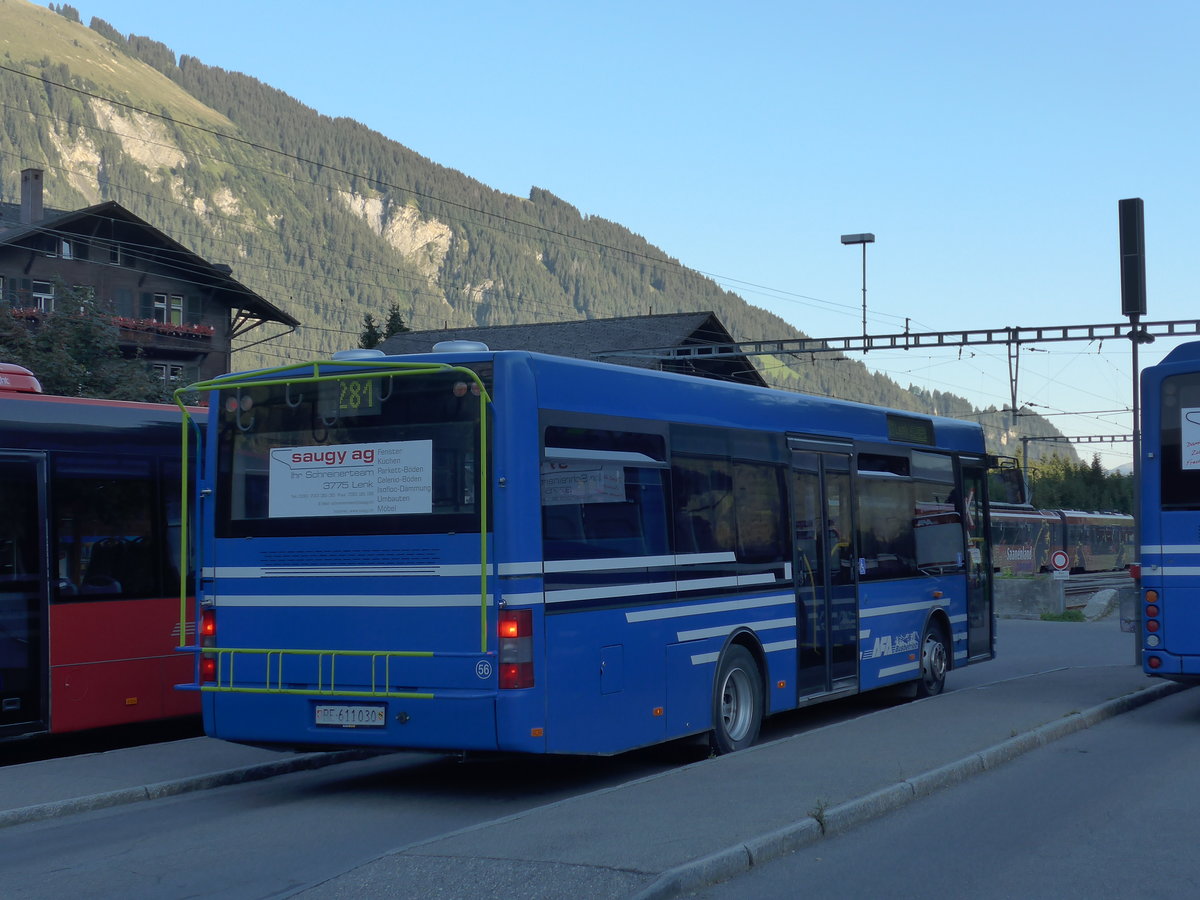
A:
{"points": [[605, 521], [562, 523], [105, 567]]}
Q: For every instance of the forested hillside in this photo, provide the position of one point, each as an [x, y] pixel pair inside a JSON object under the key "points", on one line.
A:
{"points": [[330, 220]]}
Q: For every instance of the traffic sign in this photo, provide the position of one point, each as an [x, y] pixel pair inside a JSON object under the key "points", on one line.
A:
{"points": [[1060, 563]]}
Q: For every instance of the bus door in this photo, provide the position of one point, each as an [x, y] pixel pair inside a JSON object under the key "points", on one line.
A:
{"points": [[826, 589], [23, 599], [979, 561]]}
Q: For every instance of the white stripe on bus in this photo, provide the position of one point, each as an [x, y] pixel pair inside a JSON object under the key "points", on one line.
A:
{"points": [[699, 659], [703, 609], [345, 571], [697, 634], [636, 562], [896, 670], [898, 608], [346, 600], [535, 567], [616, 591]]}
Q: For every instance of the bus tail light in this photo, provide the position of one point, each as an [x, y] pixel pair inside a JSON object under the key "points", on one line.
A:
{"points": [[1151, 626], [516, 649], [208, 638]]}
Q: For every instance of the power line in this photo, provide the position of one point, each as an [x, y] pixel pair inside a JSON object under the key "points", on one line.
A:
{"points": [[776, 293], [598, 246]]}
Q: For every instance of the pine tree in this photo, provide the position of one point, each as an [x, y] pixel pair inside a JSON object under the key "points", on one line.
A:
{"points": [[371, 335], [395, 323]]}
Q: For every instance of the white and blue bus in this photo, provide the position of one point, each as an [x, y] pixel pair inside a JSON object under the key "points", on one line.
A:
{"points": [[1170, 516], [472, 550]]}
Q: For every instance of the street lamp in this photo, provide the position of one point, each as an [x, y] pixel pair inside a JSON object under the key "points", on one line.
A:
{"points": [[863, 239]]}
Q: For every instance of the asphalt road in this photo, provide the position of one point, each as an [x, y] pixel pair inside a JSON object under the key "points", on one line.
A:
{"points": [[1108, 812], [276, 837]]}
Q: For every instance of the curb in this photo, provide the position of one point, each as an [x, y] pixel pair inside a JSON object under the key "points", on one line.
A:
{"points": [[843, 817], [257, 772]]}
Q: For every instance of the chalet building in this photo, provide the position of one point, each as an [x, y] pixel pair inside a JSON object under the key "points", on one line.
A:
{"points": [[177, 311], [603, 339]]}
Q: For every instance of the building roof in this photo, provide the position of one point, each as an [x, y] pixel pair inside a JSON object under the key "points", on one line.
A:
{"points": [[10, 215], [588, 338], [251, 309]]}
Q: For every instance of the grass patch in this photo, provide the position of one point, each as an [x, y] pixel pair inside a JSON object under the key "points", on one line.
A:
{"points": [[1071, 615]]}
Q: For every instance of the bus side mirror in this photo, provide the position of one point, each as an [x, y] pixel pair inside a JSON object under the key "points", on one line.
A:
{"points": [[1007, 486]]}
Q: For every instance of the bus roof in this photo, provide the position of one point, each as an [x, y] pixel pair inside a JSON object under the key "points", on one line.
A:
{"points": [[636, 392], [1189, 352]]}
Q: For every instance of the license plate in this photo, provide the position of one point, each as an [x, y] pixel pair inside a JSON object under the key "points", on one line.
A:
{"points": [[352, 716]]}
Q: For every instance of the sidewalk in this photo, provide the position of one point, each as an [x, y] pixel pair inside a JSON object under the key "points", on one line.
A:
{"points": [[675, 832], [660, 836], [50, 788]]}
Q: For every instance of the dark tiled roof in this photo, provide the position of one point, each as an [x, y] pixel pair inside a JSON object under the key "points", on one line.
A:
{"points": [[587, 338], [11, 231], [10, 215]]}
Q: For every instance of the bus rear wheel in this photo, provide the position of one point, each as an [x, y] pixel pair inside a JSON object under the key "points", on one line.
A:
{"points": [[737, 701], [935, 661]]}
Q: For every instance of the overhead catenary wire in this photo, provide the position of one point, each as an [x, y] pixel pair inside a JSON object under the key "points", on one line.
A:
{"points": [[545, 230], [490, 219]]}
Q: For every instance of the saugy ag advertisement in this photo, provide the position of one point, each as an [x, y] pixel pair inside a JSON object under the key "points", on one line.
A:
{"points": [[393, 478]]}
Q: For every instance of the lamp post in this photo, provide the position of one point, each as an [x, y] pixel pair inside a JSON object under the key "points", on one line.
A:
{"points": [[863, 239], [1131, 226]]}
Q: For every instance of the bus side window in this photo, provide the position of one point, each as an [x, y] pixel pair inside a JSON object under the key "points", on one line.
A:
{"points": [[885, 522], [105, 529], [704, 512], [759, 495], [602, 511]]}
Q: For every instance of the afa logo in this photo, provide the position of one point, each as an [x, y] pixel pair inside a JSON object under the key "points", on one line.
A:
{"points": [[891, 644]]}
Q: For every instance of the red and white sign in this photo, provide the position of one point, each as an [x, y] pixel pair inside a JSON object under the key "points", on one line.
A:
{"points": [[1059, 561]]}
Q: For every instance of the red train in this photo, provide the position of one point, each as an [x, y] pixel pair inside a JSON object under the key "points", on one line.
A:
{"points": [[1023, 539]]}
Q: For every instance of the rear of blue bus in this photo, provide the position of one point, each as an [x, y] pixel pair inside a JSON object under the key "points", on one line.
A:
{"points": [[1170, 516], [345, 596]]}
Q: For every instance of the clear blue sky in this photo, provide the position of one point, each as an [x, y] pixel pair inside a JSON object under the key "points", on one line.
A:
{"points": [[985, 145]]}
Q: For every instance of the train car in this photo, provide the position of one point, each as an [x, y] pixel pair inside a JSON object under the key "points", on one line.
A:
{"points": [[89, 562], [1097, 542], [1023, 539]]}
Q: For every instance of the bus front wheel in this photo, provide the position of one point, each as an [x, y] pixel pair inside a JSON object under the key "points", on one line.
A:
{"points": [[935, 660], [737, 701]]}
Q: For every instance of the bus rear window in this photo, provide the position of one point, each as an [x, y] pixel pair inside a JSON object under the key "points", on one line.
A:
{"points": [[390, 454], [1180, 442]]}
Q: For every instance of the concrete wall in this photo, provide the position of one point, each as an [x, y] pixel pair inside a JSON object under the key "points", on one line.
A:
{"points": [[1028, 597]]}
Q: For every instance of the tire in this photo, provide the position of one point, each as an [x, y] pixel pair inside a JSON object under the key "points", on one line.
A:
{"points": [[737, 703], [935, 662]]}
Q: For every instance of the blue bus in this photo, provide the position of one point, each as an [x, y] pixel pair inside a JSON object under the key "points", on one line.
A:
{"points": [[471, 550], [1170, 515]]}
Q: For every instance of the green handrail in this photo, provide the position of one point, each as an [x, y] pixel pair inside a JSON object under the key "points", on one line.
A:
{"points": [[376, 369], [274, 685]]}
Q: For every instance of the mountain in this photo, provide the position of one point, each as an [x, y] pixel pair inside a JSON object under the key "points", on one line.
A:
{"points": [[330, 220]]}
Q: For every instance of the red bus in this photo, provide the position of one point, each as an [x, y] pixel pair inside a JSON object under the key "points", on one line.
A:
{"points": [[89, 562]]}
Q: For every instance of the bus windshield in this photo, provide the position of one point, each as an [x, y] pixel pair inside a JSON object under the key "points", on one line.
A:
{"points": [[394, 453]]}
